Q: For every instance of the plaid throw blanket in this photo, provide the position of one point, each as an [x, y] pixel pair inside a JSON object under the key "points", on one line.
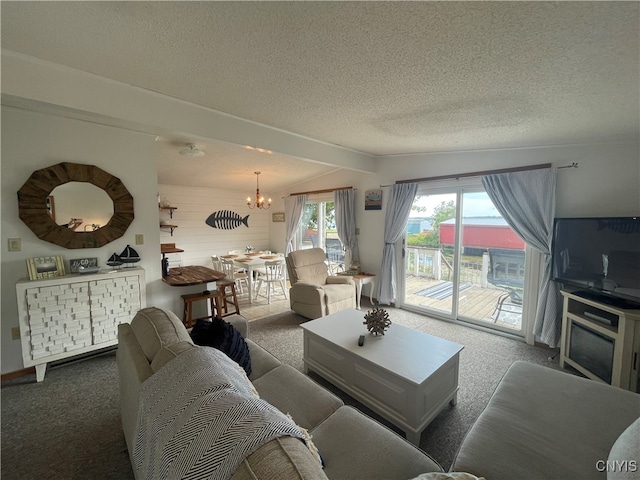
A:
{"points": [[200, 417]]}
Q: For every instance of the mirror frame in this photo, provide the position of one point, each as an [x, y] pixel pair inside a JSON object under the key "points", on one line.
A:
{"points": [[32, 205]]}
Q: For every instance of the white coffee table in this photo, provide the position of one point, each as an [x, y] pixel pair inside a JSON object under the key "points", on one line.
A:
{"points": [[405, 376]]}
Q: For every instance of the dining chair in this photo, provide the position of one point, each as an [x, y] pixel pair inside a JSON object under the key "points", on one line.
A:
{"points": [[217, 263], [506, 272], [230, 273], [274, 274]]}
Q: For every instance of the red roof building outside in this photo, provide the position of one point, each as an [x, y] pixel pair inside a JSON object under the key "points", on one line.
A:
{"points": [[482, 232]]}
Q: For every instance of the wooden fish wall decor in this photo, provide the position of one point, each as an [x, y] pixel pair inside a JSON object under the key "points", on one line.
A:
{"points": [[226, 220]]}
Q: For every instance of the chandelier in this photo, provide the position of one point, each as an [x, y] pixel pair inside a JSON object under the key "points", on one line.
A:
{"points": [[259, 203]]}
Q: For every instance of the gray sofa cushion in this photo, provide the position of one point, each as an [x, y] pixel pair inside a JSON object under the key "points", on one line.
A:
{"points": [[292, 392], [546, 424], [624, 458], [356, 447], [261, 360], [168, 353], [283, 458], [155, 328]]}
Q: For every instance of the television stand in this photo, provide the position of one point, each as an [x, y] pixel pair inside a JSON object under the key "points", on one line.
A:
{"points": [[605, 299], [601, 341]]}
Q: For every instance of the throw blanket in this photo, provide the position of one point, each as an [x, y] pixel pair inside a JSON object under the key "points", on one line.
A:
{"points": [[200, 417]]}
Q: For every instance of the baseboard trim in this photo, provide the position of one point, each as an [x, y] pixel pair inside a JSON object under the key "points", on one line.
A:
{"points": [[17, 374]]}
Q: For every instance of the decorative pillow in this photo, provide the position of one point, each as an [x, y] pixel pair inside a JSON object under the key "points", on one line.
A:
{"points": [[225, 337]]}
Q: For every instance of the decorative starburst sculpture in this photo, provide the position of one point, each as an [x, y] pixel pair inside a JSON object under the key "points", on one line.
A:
{"points": [[377, 321]]}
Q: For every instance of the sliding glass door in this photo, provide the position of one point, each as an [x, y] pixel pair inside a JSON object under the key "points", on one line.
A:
{"points": [[429, 264], [462, 261]]}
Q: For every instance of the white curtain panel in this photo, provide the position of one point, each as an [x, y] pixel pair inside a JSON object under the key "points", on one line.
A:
{"points": [[527, 201], [293, 208], [345, 205], [395, 222]]}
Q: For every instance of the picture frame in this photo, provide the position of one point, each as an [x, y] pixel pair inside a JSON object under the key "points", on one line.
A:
{"points": [[373, 199], [277, 217], [45, 267], [88, 262]]}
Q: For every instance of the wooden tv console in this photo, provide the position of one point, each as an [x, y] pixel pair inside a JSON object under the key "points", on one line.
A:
{"points": [[624, 331]]}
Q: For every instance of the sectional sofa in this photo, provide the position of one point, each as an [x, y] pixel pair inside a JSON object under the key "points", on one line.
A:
{"points": [[539, 424], [351, 444], [543, 423]]}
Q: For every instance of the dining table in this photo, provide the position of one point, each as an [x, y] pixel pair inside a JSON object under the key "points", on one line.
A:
{"points": [[251, 262]]}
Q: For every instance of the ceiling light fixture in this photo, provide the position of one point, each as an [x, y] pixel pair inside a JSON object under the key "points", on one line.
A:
{"points": [[191, 151], [259, 203], [258, 149]]}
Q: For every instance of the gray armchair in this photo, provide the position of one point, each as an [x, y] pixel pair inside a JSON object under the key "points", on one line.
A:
{"points": [[314, 293]]}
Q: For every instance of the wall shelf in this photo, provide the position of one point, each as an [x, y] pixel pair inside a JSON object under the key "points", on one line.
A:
{"points": [[168, 209], [170, 227]]}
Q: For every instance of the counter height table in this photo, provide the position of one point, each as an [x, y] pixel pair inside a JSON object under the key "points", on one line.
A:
{"points": [[191, 275], [198, 275]]}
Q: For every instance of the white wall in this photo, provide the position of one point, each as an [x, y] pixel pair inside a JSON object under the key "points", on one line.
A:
{"points": [[198, 240], [607, 182], [31, 141]]}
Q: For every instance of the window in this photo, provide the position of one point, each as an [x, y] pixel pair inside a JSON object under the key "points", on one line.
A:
{"points": [[318, 229]]}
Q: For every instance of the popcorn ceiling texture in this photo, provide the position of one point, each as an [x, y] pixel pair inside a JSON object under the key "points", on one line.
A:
{"points": [[378, 77]]}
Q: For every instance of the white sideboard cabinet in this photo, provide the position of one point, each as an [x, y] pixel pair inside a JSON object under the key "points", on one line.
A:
{"points": [[601, 341], [66, 316]]}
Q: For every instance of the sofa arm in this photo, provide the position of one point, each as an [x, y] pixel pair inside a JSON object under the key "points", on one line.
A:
{"points": [[133, 370], [240, 323], [341, 279]]}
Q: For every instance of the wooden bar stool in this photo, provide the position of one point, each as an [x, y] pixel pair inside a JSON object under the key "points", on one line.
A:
{"points": [[227, 289], [216, 299]]}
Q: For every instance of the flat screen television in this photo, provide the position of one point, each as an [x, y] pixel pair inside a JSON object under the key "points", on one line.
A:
{"points": [[601, 256]]}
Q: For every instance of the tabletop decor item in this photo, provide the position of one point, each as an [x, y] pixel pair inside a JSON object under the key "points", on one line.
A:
{"points": [[79, 265], [377, 321], [114, 261], [129, 255], [45, 267], [226, 220]]}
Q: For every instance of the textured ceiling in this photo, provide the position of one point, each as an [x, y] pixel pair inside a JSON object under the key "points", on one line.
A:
{"points": [[377, 77], [232, 167]]}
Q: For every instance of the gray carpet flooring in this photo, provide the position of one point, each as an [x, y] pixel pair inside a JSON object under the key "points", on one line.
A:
{"points": [[68, 427], [483, 361]]}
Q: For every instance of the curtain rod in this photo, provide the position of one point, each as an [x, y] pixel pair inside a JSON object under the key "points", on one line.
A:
{"points": [[326, 190], [481, 173]]}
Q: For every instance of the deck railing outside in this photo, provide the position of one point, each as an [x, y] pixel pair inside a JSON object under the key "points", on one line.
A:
{"points": [[428, 267], [432, 263]]}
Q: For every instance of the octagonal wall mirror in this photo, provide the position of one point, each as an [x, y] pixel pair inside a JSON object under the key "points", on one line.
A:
{"points": [[36, 206]]}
